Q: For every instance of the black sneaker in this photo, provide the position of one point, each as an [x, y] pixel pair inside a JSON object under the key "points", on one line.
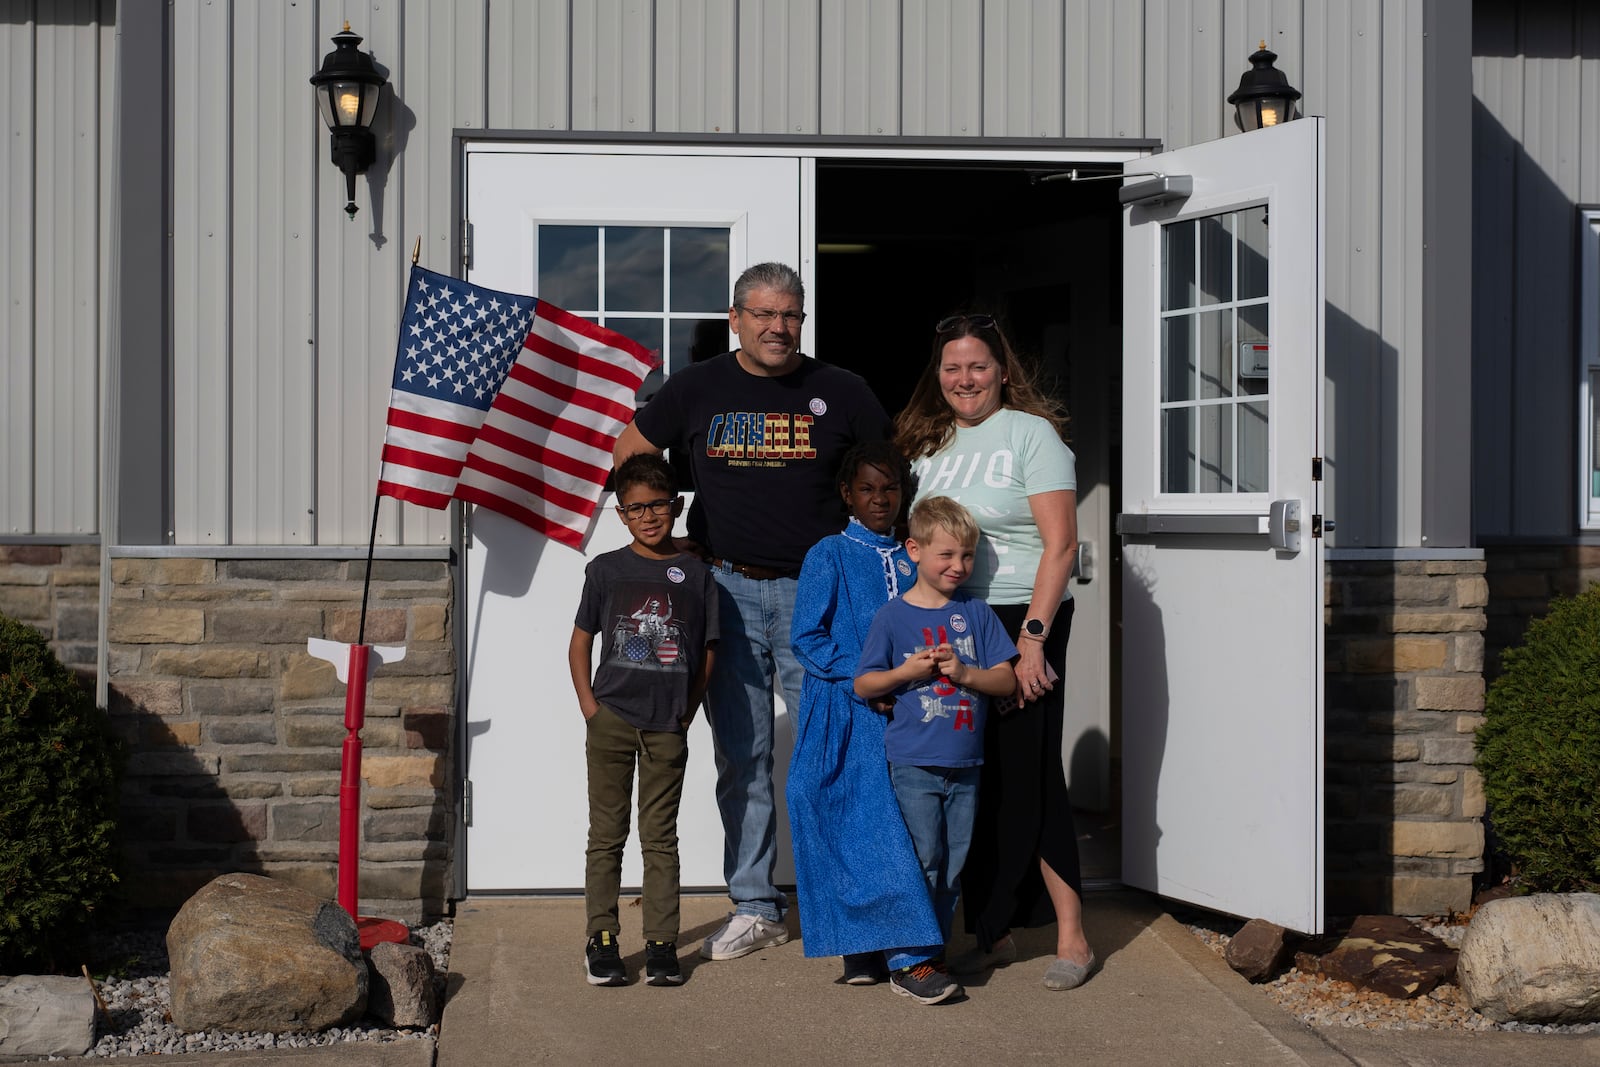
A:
{"points": [[661, 963], [925, 983], [602, 961], [865, 968]]}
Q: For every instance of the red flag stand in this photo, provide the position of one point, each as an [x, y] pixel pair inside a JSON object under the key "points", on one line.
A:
{"points": [[354, 672]]}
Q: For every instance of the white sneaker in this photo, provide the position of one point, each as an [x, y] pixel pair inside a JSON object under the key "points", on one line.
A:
{"points": [[741, 935]]}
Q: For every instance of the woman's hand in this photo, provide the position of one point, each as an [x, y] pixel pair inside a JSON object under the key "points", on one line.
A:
{"points": [[1033, 676]]}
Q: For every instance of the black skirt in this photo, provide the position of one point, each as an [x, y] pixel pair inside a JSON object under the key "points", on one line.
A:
{"points": [[1023, 810]]}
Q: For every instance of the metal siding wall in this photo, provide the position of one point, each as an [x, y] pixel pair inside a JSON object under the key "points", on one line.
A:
{"points": [[1536, 80], [1103, 45], [202, 266], [778, 66], [530, 65], [860, 60], [696, 68], [612, 43], [17, 455], [1022, 69], [273, 292], [942, 80], [67, 192]]}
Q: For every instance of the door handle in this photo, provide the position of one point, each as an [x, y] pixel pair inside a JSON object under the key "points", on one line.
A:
{"points": [[1084, 565], [1283, 525]]}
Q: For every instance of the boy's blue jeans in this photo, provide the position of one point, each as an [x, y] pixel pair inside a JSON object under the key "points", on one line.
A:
{"points": [[752, 651], [940, 805]]}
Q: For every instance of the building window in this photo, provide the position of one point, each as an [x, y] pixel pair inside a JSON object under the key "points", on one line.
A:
{"points": [[1589, 366], [665, 287], [1215, 354]]}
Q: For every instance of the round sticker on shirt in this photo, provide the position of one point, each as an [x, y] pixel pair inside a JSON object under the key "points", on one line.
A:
{"points": [[958, 624], [675, 574], [819, 406], [904, 568]]}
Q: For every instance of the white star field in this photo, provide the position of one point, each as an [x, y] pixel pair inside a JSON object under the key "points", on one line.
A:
{"points": [[457, 342]]}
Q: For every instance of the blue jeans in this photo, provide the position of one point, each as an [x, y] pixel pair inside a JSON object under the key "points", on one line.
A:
{"points": [[939, 805], [752, 652]]}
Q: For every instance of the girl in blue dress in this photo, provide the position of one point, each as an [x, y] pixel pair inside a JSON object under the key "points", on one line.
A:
{"points": [[861, 889]]}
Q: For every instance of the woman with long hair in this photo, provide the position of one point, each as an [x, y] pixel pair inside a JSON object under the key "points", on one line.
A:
{"points": [[978, 428]]}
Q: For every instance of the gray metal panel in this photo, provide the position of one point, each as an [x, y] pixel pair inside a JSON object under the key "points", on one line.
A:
{"points": [[530, 65], [67, 303], [611, 61], [140, 375], [860, 60], [1534, 81], [1447, 283], [778, 69], [273, 284], [203, 263], [696, 68], [1022, 69], [942, 74], [17, 458], [1104, 48]]}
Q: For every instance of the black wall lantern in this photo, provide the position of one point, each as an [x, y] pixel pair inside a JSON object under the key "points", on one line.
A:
{"points": [[1264, 96], [348, 86]]}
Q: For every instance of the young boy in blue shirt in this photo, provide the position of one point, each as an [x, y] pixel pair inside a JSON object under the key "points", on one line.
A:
{"points": [[655, 608], [941, 655]]}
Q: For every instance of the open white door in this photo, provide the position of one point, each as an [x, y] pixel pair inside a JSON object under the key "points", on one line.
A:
{"points": [[1223, 555], [648, 244]]}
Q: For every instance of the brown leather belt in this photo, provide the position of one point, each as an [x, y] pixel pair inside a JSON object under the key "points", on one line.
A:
{"points": [[751, 570]]}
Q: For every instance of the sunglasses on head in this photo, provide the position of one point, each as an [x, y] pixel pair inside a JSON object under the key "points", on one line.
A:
{"points": [[982, 322]]}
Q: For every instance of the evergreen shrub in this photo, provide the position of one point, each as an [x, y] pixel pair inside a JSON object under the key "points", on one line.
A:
{"points": [[1539, 749], [59, 772]]}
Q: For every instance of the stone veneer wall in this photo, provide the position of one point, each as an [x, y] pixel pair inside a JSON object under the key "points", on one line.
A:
{"points": [[56, 590], [236, 730], [1404, 674], [1523, 579]]}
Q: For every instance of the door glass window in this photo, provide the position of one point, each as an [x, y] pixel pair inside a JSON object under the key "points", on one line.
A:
{"points": [[1215, 354], [665, 287]]}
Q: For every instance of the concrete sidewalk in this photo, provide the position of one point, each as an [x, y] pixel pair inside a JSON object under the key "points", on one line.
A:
{"points": [[517, 996]]}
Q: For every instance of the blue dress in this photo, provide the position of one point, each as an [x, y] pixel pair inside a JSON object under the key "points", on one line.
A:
{"points": [[860, 885]]}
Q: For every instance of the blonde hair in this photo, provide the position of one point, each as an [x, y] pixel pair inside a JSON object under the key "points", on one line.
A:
{"points": [[926, 424], [940, 512]]}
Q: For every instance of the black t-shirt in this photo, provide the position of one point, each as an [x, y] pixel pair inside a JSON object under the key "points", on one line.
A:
{"points": [[764, 452], [655, 618]]}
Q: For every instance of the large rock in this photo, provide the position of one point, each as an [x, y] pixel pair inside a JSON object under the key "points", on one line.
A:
{"points": [[403, 993], [1389, 955], [1534, 959], [1259, 950], [250, 953], [45, 1015]]}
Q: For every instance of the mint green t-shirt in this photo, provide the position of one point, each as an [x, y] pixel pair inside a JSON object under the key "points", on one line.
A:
{"points": [[992, 468]]}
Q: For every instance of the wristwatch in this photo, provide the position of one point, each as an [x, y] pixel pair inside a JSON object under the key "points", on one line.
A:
{"points": [[1035, 628]]}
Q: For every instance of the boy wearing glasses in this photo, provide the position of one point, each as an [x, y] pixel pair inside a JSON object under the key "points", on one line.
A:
{"points": [[656, 611]]}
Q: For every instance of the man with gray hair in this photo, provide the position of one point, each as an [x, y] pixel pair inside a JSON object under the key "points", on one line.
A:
{"points": [[763, 428]]}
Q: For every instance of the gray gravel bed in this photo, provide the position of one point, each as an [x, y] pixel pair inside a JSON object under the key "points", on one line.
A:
{"points": [[139, 1001]]}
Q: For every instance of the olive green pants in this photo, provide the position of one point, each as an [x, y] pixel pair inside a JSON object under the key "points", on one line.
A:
{"points": [[612, 749]]}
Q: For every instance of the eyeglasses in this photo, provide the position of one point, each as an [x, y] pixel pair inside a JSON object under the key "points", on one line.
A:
{"points": [[655, 507], [764, 316], [982, 322]]}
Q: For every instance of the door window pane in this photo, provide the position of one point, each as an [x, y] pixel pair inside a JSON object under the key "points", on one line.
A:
{"points": [[700, 270], [569, 266], [635, 267], [1216, 355]]}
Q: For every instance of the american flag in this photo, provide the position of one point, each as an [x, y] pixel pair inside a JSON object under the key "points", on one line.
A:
{"points": [[506, 402]]}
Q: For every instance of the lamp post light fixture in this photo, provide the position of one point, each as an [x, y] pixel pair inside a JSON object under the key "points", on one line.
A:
{"points": [[348, 87], [1264, 96]]}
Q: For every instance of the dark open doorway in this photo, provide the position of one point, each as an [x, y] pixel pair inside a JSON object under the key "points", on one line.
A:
{"points": [[899, 245]]}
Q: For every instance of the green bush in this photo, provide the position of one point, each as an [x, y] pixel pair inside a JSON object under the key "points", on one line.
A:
{"points": [[59, 769], [1539, 749]]}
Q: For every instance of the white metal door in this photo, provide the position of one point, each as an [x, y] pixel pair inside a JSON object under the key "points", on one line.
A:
{"points": [[1222, 573], [649, 245]]}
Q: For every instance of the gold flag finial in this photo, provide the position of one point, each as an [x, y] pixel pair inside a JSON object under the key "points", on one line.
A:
{"points": [[416, 252]]}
